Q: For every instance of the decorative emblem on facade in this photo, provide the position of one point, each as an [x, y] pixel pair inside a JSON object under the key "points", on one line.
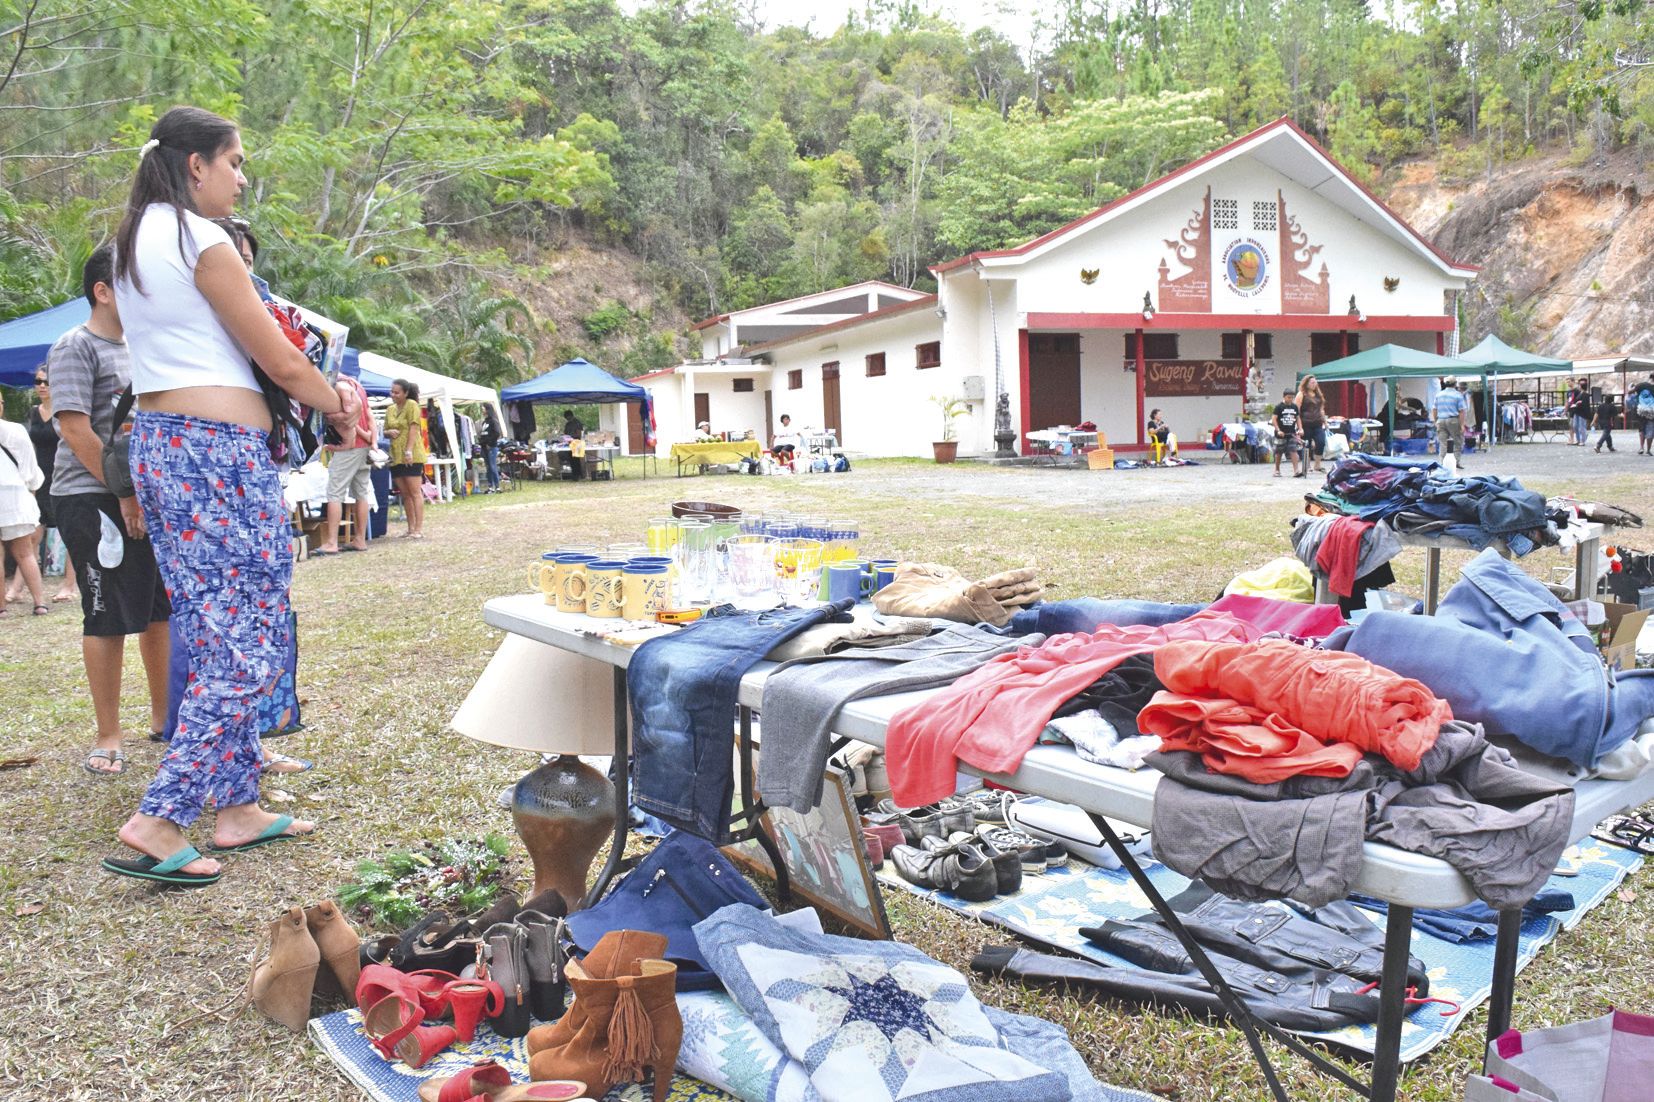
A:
{"points": [[1246, 267], [1088, 276]]}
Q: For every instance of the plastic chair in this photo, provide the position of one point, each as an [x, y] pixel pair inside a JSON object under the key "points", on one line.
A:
{"points": [[1157, 450]]}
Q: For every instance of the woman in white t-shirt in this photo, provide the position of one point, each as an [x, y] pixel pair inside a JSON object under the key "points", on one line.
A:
{"points": [[209, 495]]}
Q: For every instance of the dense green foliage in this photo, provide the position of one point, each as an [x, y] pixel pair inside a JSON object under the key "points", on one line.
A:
{"points": [[408, 155]]}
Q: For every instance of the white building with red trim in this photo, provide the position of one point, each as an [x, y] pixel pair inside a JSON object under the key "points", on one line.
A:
{"points": [[1263, 257]]}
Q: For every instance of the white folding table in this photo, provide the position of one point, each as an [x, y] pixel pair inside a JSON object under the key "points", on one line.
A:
{"points": [[1404, 880]]}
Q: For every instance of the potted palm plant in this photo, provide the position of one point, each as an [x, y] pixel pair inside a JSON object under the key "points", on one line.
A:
{"points": [[946, 450]]}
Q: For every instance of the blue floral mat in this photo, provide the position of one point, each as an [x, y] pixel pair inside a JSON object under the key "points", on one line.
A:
{"points": [[1052, 906], [340, 1036]]}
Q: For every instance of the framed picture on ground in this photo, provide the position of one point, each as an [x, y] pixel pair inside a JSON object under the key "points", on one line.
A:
{"points": [[825, 858]]}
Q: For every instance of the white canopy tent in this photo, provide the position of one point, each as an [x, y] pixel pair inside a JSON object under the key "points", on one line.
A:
{"points": [[447, 393]]}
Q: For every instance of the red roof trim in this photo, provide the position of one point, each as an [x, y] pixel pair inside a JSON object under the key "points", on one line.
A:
{"points": [[653, 374], [800, 298], [1331, 323], [821, 330], [1198, 162]]}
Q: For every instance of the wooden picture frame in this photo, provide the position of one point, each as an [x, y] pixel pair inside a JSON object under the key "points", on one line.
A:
{"points": [[825, 857]]}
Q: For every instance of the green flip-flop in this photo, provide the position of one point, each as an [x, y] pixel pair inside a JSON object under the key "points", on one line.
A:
{"points": [[275, 832], [164, 872]]}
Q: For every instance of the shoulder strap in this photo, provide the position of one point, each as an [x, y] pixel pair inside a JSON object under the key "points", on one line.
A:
{"points": [[122, 408]]}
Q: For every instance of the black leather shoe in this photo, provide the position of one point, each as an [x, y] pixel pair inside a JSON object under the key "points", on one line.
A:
{"points": [[547, 992], [963, 870], [1029, 849], [1007, 863]]}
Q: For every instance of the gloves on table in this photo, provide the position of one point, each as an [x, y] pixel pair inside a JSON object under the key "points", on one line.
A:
{"points": [[931, 589]]}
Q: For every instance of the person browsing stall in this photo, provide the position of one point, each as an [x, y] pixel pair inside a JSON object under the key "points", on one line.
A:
{"points": [[1288, 426], [1640, 402], [43, 438], [408, 454], [121, 591], [1312, 412], [1447, 410], [210, 498], [1607, 412]]}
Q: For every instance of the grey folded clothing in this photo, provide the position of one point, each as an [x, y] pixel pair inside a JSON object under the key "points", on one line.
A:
{"points": [[1468, 804]]}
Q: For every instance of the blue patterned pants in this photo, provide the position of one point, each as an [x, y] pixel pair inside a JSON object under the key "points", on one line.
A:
{"points": [[222, 539]]}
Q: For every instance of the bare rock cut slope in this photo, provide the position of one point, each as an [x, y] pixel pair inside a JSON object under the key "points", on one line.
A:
{"points": [[1566, 249]]}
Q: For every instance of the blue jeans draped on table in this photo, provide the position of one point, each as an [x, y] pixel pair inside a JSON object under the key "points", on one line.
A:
{"points": [[682, 688], [1088, 613]]}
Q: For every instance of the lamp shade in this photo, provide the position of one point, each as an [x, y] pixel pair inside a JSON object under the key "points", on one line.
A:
{"points": [[538, 697]]}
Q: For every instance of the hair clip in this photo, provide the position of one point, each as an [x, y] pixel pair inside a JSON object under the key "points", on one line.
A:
{"points": [[143, 150]]}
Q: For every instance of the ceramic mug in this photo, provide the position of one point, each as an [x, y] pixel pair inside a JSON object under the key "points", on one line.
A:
{"points": [[648, 589], [571, 582], [845, 582], [605, 593], [543, 577], [884, 572]]}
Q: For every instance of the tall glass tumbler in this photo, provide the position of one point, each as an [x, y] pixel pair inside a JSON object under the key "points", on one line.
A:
{"points": [[697, 547], [752, 565], [798, 569]]}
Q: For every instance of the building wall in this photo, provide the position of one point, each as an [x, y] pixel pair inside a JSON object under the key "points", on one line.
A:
{"points": [[888, 415]]}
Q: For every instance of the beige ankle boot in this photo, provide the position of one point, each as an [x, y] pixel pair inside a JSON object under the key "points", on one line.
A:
{"points": [[283, 981], [339, 945]]}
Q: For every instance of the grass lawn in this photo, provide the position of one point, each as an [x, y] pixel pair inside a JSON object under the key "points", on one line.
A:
{"points": [[112, 987]]}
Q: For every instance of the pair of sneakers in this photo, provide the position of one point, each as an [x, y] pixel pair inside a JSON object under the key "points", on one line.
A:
{"points": [[938, 820], [974, 865]]}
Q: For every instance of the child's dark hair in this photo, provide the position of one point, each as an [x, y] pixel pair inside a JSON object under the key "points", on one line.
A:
{"points": [[164, 175], [100, 268]]}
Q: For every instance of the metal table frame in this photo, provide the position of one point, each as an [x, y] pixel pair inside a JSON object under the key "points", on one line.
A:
{"points": [[1405, 880]]}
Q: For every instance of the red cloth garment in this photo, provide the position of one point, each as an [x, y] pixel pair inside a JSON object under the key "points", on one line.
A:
{"points": [[1331, 697], [990, 717], [1340, 552], [1291, 617]]}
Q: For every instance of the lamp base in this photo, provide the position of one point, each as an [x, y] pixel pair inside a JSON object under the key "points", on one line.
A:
{"points": [[564, 812]]}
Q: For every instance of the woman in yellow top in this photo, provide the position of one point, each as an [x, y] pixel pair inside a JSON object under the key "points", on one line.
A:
{"points": [[403, 426]]}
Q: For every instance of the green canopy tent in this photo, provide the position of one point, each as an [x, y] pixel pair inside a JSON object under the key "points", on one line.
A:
{"points": [[1388, 362], [1493, 357]]}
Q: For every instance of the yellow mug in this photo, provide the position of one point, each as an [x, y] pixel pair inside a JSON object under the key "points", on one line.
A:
{"points": [[542, 576], [571, 582], [648, 591], [605, 592]]}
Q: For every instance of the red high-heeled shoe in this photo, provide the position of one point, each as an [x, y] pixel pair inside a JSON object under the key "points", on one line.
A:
{"points": [[377, 982], [392, 1026], [431, 983], [471, 1001]]}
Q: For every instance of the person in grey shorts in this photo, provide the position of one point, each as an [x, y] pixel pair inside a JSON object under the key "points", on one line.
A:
{"points": [[349, 474]]}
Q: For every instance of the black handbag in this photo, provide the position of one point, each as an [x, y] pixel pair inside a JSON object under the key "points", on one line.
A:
{"points": [[117, 450]]}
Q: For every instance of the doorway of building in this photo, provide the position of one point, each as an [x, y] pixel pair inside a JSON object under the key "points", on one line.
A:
{"points": [[831, 419], [1343, 399], [636, 439], [703, 409], [1053, 380]]}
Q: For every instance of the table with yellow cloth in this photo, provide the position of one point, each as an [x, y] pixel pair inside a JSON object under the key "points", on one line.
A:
{"points": [[715, 451]]}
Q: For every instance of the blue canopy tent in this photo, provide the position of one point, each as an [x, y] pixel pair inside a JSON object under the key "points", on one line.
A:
{"points": [[377, 385], [579, 382], [25, 341]]}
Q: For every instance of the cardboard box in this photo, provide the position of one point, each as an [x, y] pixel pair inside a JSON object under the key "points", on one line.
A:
{"points": [[1617, 637], [1100, 459]]}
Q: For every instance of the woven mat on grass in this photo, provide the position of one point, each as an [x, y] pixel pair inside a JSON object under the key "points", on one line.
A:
{"points": [[1051, 908]]}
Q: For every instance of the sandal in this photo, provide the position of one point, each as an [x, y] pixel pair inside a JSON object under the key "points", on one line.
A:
{"points": [[490, 1082], [113, 757], [393, 1027], [296, 765], [275, 832], [41, 610], [1633, 832], [163, 872]]}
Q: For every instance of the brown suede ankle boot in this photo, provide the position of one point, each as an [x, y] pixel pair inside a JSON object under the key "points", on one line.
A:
{"points": [[339, 945], [621, 1027], [282, 982], [616, 953]]}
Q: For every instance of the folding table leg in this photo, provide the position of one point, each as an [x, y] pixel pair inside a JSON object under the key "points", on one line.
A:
{"points": [[1504, 973], [621, 768], [1392, 994], [754, 811]]}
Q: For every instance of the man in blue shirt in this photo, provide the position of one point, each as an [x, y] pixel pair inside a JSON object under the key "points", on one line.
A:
{"points": [[1447, 407]]}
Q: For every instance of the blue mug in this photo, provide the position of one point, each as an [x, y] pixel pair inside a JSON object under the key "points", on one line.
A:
{"points": [[884, 572], [845, 582]]}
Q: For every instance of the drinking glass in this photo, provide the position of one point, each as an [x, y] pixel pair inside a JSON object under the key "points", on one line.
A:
{"points": [[798, 569], [813, 528], [695, 559], [662, 535], [841, 539], [752, 564], [627, 550]]}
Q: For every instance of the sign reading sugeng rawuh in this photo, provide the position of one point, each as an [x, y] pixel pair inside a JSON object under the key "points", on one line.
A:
{"points": [[1193, 378]]}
